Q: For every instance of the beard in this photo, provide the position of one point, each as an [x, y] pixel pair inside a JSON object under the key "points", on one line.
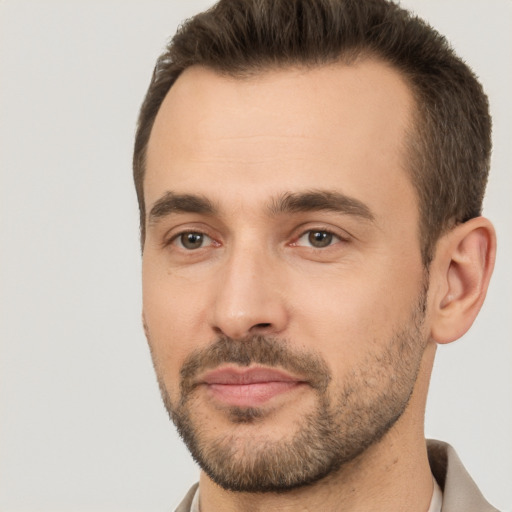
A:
{"points": [[344, 421]]}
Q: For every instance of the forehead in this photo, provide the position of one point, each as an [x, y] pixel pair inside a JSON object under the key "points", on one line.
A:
{"points": [[333, 127]]}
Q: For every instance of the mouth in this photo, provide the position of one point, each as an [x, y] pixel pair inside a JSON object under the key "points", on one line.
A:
{"points": [[249, 387]]}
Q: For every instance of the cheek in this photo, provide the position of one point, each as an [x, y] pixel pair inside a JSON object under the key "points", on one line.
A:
{"points": [[351, 315], [173, 317]]}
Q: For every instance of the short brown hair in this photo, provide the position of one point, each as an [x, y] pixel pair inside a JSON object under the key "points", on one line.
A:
{"points": [[451, 145]]}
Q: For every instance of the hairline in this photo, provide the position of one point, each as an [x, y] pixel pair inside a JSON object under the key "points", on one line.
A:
{"points": [[412, 146]]}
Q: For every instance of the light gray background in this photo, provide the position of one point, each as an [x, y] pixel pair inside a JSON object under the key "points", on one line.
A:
{"points": [[81, 423]]}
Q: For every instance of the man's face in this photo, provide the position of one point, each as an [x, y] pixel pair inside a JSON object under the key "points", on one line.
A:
{"points": [[283, 289]]}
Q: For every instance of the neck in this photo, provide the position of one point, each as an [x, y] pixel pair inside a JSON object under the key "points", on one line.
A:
{"points": [[391, 475]]}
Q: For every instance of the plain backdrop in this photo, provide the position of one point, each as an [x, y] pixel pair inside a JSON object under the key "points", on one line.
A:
{"points": [[82, 427]]}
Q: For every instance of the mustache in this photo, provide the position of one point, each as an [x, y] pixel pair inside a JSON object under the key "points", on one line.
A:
{"points": [[256, 349]]}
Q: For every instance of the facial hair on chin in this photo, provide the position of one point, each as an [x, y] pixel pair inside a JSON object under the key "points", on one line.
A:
{"points": [[338, 429]]}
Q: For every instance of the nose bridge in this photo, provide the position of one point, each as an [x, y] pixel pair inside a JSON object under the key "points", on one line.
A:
{"points": [[247, 298]]}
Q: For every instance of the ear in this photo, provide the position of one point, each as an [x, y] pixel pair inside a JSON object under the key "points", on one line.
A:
{"points": [[460, 272]]}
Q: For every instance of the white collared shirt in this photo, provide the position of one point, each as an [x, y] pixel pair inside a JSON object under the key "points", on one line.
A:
{"points": [[437, 498]]}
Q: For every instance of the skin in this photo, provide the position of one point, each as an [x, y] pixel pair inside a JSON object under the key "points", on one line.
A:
{"points": [[242, 144]]}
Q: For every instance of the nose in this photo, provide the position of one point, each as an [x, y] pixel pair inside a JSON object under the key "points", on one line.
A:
{"points": [[249, 297]]}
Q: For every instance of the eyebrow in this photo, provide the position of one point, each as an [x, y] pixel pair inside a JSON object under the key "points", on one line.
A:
{"points": [[320, 200], [290, 202], [180, 203]]}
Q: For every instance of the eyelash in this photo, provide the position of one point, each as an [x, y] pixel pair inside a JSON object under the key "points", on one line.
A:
{"points": [[334, 238], [176, 239]]}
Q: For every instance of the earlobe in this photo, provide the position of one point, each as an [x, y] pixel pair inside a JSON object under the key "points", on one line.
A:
{"points": [[463, 264]]}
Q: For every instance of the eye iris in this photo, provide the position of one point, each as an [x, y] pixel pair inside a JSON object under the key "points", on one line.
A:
{"points": [[320, 238], [192, 240]]}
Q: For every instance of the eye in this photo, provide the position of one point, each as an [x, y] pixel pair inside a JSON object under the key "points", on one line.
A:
{"points": [[191, 240], [317, 238]]}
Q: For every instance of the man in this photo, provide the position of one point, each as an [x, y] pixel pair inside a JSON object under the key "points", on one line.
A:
{"points": [[310, 177]]}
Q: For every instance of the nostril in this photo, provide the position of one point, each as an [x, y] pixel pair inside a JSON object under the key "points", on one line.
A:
{"points": [[261, 326]]}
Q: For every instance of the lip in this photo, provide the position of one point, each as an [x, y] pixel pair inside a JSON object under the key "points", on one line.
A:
{"points": [[248, 387]]}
